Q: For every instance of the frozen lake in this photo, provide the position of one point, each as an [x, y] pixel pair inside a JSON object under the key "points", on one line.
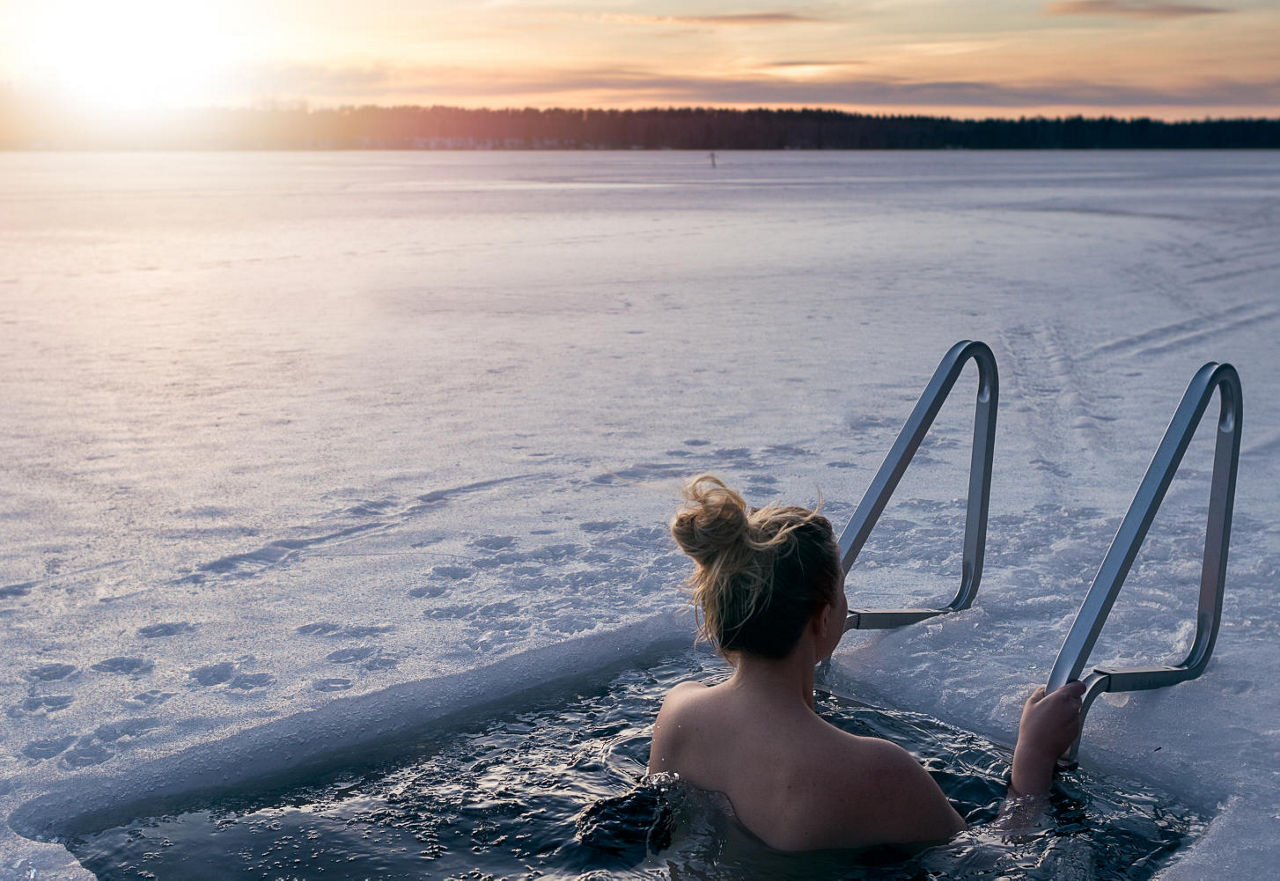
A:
{"points": [[293, 432]]}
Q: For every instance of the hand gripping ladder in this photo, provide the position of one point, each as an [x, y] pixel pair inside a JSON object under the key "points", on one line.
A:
{"points": [[896, 462], [1124, 547]]}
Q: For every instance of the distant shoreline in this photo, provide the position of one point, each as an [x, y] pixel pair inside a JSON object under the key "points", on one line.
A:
{"points": [[27, 125]]}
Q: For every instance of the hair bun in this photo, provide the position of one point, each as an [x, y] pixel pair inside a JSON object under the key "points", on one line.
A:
{"points": [[713, 522]]}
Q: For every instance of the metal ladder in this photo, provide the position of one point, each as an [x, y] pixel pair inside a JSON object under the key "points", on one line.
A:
{"points": [[1129, 537], [896, 462]]}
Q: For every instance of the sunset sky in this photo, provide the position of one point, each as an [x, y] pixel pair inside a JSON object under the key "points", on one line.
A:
{"points": [[997, 58]]}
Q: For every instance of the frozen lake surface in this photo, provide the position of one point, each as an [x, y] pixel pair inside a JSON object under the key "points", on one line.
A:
{"points": [[372, 436]]}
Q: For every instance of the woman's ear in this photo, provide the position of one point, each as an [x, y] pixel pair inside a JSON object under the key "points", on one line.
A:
{"points": [[828, 628], [822, 621]]}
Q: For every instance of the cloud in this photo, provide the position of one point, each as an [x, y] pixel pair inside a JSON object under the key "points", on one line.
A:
{"points": [[845, 88], [637, 86], [732, 19], [871, 92], [1131, 9], [783, 65], [744, 18]]}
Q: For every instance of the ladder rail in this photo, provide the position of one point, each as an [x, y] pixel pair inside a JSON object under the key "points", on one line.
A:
{"points": [[1212, 378], [895, 465]]}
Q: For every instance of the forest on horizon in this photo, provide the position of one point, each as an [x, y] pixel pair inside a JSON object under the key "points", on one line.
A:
{"points": [[29, 125]]}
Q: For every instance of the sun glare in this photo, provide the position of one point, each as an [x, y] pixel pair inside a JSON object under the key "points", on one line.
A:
{"points": [[131, 55]]}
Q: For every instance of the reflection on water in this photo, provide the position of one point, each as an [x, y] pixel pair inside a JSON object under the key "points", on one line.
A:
{"points": [[550, 789]]}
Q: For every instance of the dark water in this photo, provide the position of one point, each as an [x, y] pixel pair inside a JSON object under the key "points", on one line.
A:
{"points": [[550, 790]]}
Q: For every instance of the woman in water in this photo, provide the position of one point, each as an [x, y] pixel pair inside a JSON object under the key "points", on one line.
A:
{"points": [[770, 590]]}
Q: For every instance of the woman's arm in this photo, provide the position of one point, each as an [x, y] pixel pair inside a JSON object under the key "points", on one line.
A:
{"points": [[1050, 724]]}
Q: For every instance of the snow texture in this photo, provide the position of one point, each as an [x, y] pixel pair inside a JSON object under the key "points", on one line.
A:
{"points": [[302, 450]]}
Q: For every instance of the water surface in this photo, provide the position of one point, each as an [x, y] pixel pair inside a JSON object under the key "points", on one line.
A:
{"points": [[551, 789]]}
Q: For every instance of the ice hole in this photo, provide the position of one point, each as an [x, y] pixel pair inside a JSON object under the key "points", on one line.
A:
{"points": [[543, 779]]}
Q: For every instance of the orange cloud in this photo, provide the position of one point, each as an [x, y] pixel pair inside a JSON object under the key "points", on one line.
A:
{"points": [[1131, 9], [746, 18], [824, 64], [633, 86], [732, 19]]}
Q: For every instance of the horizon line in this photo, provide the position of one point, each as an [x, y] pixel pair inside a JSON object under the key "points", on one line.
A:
{"points": [[306, 106]]}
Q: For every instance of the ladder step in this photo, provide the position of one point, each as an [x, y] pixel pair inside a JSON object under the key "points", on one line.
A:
{"points": [[895, 465], [1210, 379]]}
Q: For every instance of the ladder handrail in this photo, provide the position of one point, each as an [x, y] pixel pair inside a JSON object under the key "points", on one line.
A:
{"points": [[1212, 377], [899, 457]]}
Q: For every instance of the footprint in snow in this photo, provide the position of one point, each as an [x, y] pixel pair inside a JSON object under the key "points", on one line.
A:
{"points": [[350, 656], [213, 674], [16, 590], [47, 749], [148, 699], [494, 542], [329, 629], [365, 630], [113, 731], [41, 705], [1050, 468], [168, 628], [319, 628], [427, 590], [50, 672], [85, 753], [249, 681], [331, 684], [448, 612], [127, 666], [775, 450]]}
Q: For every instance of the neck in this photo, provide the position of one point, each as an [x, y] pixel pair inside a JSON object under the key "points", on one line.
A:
{"points": [[780, 682]]}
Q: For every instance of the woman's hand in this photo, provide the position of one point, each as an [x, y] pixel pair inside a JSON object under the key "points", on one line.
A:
{"points": [[1050, 724]]}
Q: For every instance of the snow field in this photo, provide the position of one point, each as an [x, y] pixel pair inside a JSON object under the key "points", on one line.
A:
{"points": [[349, 434]]}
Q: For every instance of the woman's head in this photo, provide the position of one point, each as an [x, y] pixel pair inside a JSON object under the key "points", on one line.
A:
{"points": [[761, 573]]}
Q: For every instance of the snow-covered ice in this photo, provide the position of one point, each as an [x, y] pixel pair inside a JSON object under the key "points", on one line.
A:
{"points": [[303, 447]]}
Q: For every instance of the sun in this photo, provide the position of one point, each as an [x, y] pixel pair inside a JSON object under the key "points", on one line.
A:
{"points": [[128, 55]]}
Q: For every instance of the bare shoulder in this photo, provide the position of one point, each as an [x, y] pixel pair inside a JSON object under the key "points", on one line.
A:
{"points": [[891, 794], [681, 700], [670, 734], [685, 689], [888, 758], [892, 766]]}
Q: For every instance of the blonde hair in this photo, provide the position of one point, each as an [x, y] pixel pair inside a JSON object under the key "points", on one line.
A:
{"points": [[760, 573]]}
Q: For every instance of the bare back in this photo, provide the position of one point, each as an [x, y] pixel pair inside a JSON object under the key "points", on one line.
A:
{"points": [[795, 781]]}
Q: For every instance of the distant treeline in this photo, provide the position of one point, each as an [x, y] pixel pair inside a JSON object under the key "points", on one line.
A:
{"points": [[28, 126]]}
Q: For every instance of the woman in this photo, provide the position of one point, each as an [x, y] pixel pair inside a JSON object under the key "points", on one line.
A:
{"points": [[769, 588]]}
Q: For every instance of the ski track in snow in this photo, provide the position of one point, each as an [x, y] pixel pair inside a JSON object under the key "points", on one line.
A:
{"points": [[1189, 333]]}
